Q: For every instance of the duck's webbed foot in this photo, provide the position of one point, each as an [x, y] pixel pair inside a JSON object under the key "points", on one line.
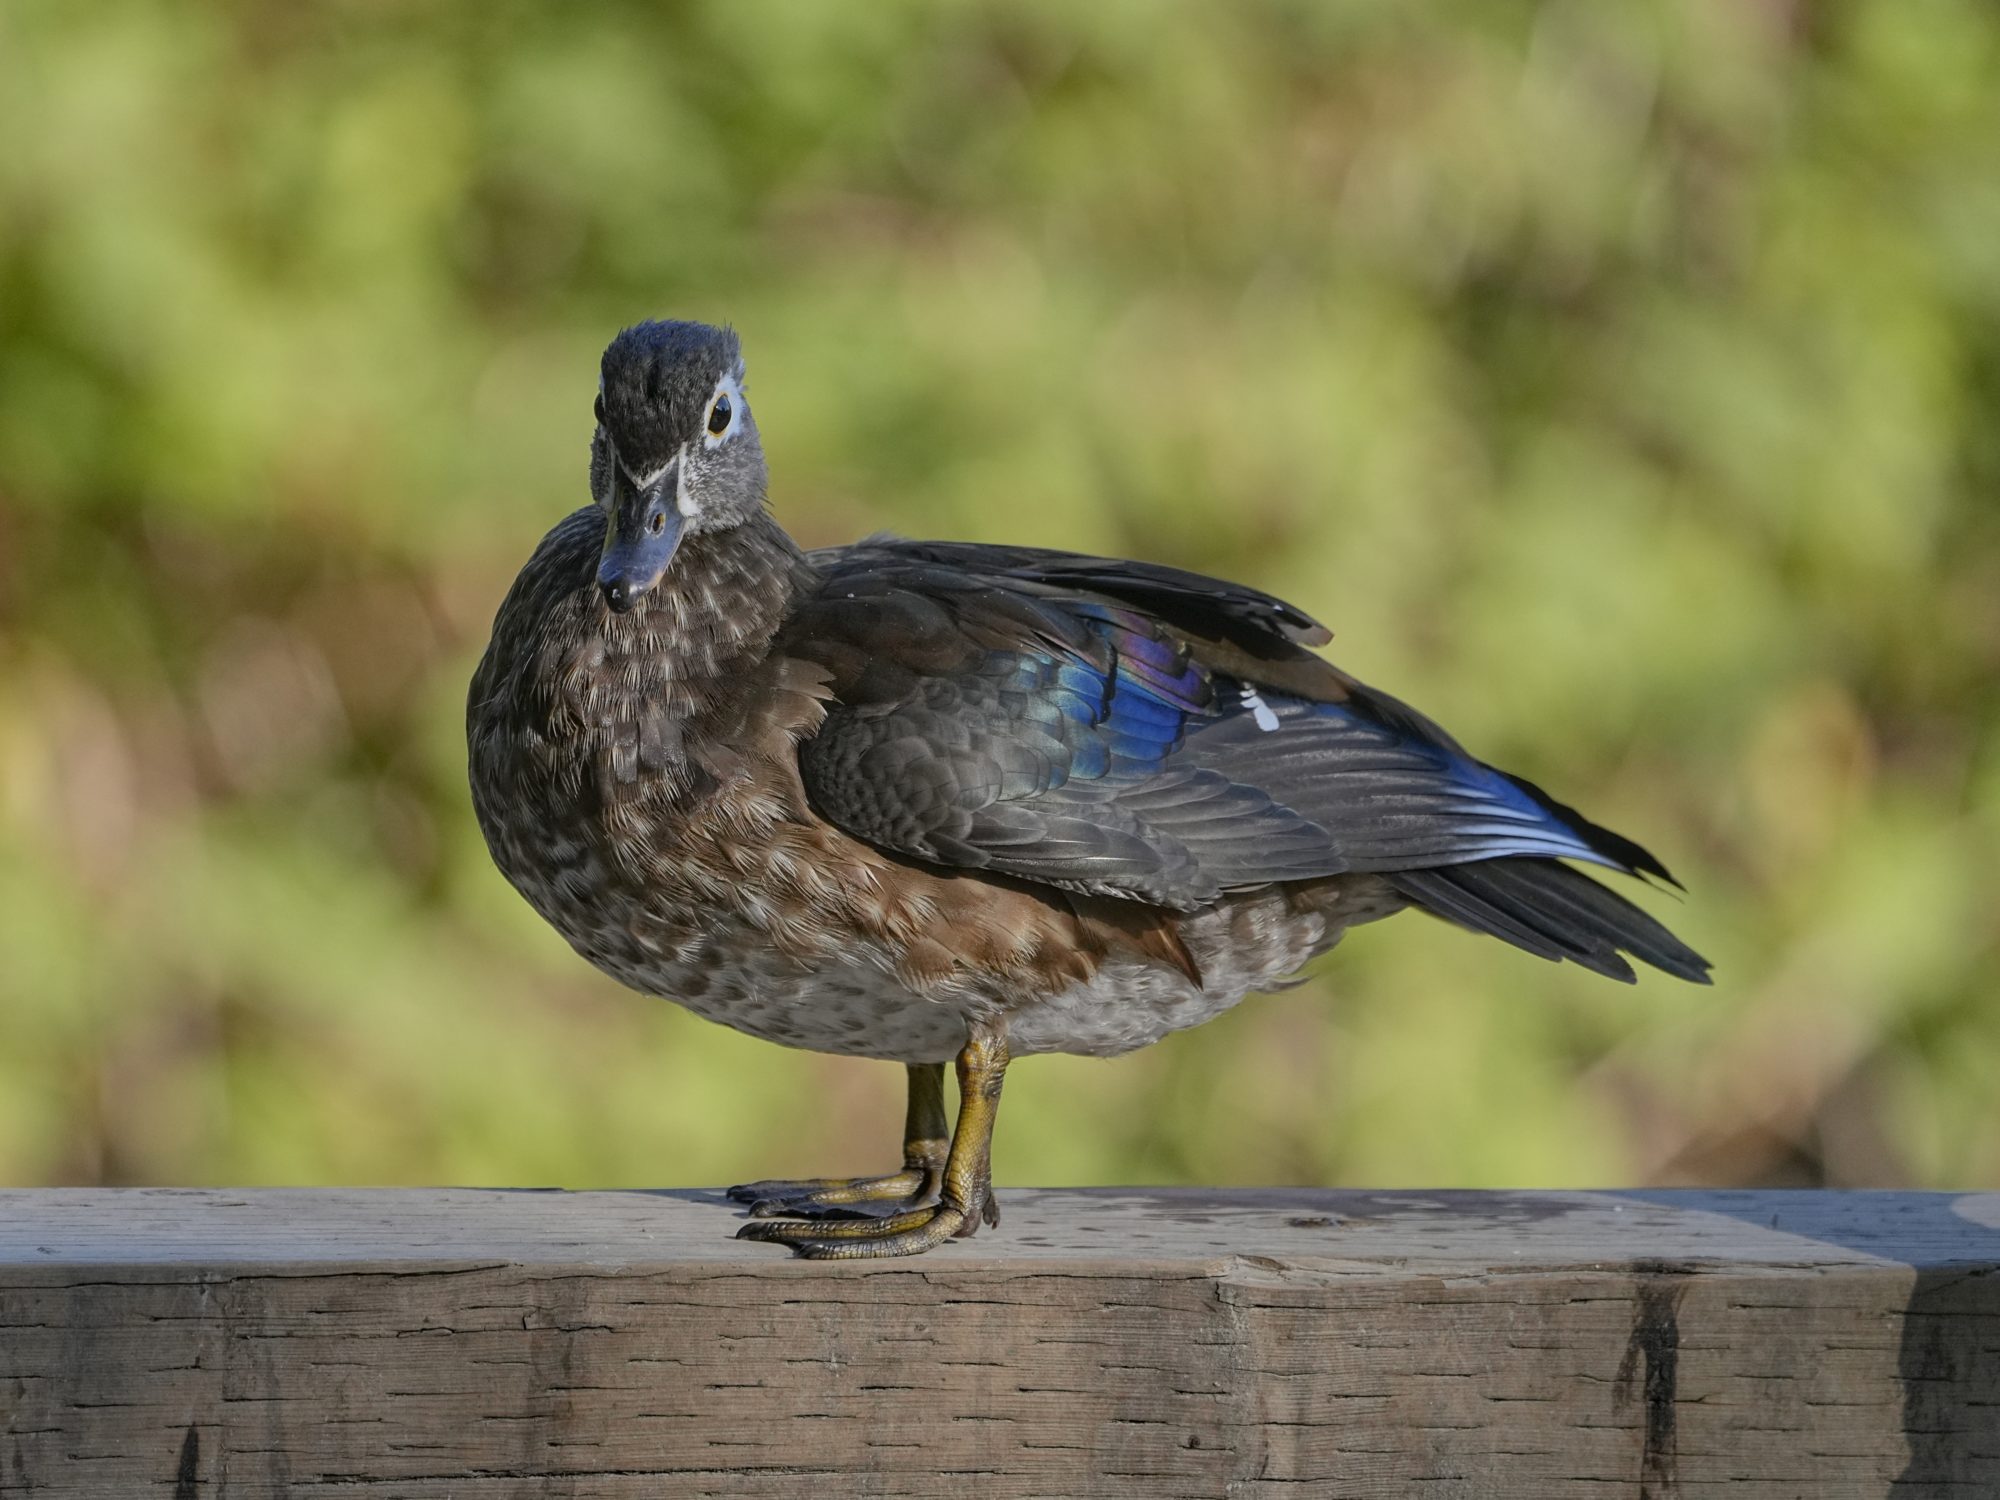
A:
{"points": [[842, 1197], [866, 1218], [926, 1144]]}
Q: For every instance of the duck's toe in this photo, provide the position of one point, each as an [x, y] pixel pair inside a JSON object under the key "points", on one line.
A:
{"points": [[909, 1233], [836, 1198]]}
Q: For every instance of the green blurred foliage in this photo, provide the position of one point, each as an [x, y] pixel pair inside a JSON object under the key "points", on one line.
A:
{"points": [[1622, 382]]}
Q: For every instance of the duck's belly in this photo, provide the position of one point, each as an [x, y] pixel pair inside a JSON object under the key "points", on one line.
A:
{"points": [[849, 1001], [855, 1008], [834, 987], [852, 1004]]}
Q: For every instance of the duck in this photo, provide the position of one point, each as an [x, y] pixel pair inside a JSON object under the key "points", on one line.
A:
{"points": [[951, 804]]}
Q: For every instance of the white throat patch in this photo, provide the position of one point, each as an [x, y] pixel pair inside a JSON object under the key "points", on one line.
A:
{"points": [[684, 500]]}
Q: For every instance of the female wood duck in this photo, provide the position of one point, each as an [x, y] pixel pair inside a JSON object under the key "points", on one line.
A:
{"points": [[934, 801]]}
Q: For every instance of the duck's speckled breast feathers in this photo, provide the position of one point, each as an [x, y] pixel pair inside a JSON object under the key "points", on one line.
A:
{"points": [[637, 777]]}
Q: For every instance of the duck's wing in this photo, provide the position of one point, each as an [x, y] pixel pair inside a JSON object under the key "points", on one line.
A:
{"points": [[1133, 731], [1193, 603]]}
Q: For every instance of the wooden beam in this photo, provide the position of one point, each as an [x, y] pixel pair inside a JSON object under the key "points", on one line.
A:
{"points": [[482, 1345]]}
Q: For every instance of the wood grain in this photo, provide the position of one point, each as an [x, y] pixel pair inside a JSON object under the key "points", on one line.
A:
{"points": [[481, 1345]]}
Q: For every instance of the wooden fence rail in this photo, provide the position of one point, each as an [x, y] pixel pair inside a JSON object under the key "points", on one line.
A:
{"points": [[480, 1345]]}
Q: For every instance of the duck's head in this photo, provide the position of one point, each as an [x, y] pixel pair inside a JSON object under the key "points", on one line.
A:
{"points": [[676, 450]]}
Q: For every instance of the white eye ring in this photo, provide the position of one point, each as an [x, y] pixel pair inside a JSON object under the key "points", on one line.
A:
{"points": [[726, 391]]}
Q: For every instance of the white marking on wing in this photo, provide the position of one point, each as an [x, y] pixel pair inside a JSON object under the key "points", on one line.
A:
{"points": [[1262, 712]]}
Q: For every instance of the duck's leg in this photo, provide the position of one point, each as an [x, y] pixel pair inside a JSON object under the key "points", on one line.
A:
{"points": [[965, 1196], [926, 1142]]}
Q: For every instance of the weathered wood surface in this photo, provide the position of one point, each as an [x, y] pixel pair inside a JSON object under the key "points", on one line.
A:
{"points": [[481, 1345]]}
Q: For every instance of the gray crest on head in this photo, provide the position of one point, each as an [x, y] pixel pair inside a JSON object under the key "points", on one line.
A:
{"points": [[657, 380]]}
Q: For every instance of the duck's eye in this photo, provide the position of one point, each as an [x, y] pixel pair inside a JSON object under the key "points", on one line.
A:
{"points": [[597, 408], [718, 416]]}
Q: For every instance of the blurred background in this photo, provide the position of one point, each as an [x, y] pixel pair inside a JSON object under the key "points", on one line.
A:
{"points": [[1621, 383]]}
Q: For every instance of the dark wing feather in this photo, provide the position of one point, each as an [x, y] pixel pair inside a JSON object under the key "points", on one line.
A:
{"points": [[1205, 607], [1132, 731], [985, 727], [1551, 910], [1394, 792]]}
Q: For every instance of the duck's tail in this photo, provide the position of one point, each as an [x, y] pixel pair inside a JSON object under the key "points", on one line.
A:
{"points": [[1552, 911]]}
